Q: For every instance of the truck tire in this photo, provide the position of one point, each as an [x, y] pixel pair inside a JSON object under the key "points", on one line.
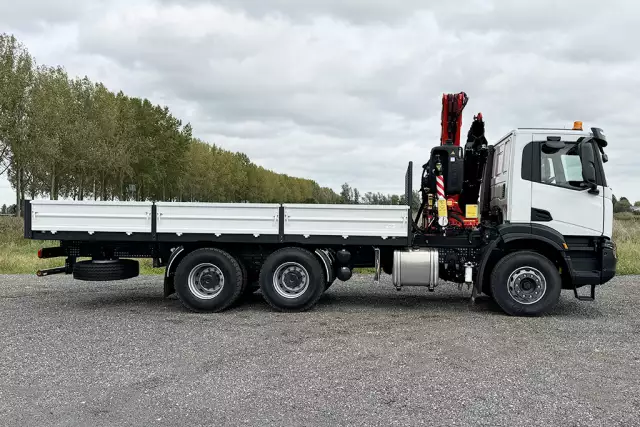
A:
{"points": [[208, 280], [107, 270], [292, 279], [525, 283]]}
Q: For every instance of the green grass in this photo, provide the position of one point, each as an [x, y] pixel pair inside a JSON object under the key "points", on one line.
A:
{"points": [[370, 270], [19, 255], [626, 235]]}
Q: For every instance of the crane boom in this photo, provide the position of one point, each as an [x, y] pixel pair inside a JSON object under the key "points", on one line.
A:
{"points": [[452, 106]]}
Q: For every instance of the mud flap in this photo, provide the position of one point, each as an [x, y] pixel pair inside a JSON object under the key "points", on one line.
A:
{"points": [[169, 289]]}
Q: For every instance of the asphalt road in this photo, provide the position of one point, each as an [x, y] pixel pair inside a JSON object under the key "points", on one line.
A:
{"points": [[75, 353]]}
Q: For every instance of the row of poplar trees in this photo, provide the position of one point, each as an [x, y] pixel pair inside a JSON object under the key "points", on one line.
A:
{"points": [[63, 137]]}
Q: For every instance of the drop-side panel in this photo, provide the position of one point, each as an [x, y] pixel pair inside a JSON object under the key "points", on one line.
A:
{"points": [[217, 218], [346, 220], [91, 216]]}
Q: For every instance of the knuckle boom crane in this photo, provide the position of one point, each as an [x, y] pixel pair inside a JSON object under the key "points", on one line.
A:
{"points": [[452, 178]]}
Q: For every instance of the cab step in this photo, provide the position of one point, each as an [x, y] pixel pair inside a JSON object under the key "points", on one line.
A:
{"points": [[586, 297]]}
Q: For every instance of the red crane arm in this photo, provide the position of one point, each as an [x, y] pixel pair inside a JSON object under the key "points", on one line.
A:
{"points": [[452, 106]]}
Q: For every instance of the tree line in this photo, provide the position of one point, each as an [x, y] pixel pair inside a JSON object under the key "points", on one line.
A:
{"points": [[64, 137], [351, 195]]}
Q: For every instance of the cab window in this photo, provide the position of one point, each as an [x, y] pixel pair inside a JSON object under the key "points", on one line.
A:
{"points": [[561, 167]]}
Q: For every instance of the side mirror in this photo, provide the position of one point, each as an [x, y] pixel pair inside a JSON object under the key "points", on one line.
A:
{"points": [[599, 136], [587, 158], [601, 140]]}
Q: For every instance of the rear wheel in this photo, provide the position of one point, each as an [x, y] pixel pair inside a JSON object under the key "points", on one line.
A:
{"points": [[525, 283], [208, 280], [292, 279]]}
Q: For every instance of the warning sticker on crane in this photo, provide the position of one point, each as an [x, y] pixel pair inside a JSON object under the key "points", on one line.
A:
{"points": [[472, 211], [442, 207]]}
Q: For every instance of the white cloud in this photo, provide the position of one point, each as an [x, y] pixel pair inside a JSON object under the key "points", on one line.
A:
{"points": [[348, 90]]}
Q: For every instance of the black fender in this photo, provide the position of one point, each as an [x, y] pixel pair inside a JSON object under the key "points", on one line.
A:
{"points": [[327, 260], [514, 235], [172, 263]]}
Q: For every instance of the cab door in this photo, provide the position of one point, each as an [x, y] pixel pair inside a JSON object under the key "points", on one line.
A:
{"points": [[560, 198]]}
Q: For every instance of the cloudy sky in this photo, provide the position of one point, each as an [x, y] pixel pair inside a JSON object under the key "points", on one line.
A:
{"points": [[349, 90]]}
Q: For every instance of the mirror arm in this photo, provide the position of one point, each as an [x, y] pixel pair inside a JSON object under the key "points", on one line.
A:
{"points": [[591, 186], [604, 157]]}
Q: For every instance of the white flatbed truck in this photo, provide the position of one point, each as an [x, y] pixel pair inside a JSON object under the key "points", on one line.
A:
{"points": [[519, 220]]}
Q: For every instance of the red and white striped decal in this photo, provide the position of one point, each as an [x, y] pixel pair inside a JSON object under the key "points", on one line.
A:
{"points": [[440, 186]]}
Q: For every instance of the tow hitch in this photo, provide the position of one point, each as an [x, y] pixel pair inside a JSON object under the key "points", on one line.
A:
{"points": [[55, 252], [50, 271]]}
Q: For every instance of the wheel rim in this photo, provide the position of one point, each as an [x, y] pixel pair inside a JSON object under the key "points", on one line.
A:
{"points": [[291, 280], [206, 281], [527, 285]]}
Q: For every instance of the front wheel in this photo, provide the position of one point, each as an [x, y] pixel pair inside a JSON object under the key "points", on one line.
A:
{"points": [[525, 283]]}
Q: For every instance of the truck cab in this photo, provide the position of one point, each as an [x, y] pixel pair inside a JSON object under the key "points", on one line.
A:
{"points": [[537, 177], [551, 184]]}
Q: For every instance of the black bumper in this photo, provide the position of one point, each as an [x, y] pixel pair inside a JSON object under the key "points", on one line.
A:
{"points": [[609, 259], [595, 266]]}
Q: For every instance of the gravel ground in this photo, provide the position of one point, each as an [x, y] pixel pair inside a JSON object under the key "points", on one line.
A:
{"points": [[75, 353]]}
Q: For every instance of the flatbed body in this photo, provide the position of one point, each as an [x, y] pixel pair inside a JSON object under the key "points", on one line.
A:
{"points": [[184, 222]]}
